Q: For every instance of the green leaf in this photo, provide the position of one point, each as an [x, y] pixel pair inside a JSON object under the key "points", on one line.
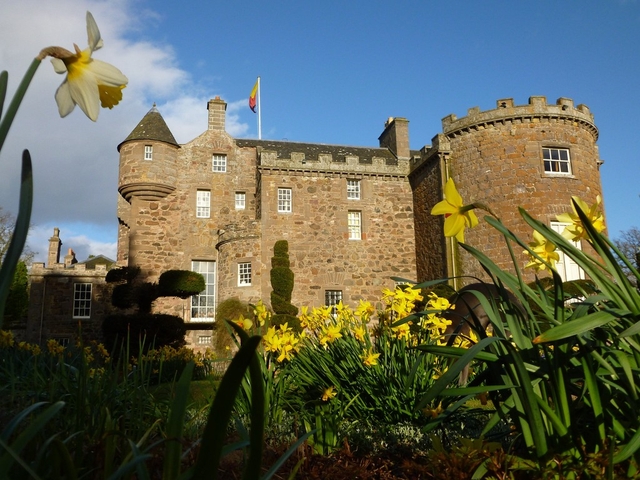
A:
{"points": [[7, 120], [173, 450], [19, 237], [4, 79], [23, 439], [220, 413], [580, 325]]}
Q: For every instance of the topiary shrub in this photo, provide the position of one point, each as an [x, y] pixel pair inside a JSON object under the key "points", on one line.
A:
{"points": [[180, 283], [229, 309], [282, 280], [157, 330], [122, 274], [122, 296]]}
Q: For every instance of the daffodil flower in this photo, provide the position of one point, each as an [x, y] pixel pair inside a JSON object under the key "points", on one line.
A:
{"points": [[328, 393], [457, 215], [575, 230], [544, 249], [369, 358], [89, 83]]}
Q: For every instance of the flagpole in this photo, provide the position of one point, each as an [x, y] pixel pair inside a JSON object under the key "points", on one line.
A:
{"points": [[259, 112]]}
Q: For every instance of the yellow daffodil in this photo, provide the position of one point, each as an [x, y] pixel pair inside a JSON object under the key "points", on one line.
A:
{"points": [[457, 216], [271, 340], [328, 393], [438, 303], [545, 250], [402, 331], [433, 412], [330, 333], [369, 358], [365, 309], [575, 230], [89, 83], [359, 332], [261, 312], [244, 323]]}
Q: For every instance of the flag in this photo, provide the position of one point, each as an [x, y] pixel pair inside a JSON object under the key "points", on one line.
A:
{"points": [[253, 100]]}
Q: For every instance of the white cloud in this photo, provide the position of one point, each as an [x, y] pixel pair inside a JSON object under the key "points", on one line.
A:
{"points": [[75, 161], [73, 237]]}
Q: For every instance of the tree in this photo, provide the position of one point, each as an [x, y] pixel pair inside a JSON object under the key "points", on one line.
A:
{"points": [[17, 305], [7, 224], [629, 245]]}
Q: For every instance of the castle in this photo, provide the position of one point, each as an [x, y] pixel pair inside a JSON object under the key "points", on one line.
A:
{"points": [[354, 217]]}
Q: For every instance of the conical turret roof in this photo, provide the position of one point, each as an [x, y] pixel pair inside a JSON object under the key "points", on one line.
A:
{"points": [[152, 127]]}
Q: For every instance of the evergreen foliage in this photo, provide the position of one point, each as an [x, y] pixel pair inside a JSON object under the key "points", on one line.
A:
{"points": [[158, 329], [144, 331], [282, 280], [17, 305], [228, 310], [180, 283]]}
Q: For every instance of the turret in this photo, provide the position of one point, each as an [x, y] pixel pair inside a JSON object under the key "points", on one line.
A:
{"points": [[148, 159]]}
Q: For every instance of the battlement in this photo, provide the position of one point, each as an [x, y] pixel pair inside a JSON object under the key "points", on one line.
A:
{"points": [[537, 110], [326, 159]]}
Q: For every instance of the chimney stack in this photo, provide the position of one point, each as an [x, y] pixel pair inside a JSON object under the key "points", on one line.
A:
{"points": [[53, 257], [396, 137], [70, 258], [217, 111]]}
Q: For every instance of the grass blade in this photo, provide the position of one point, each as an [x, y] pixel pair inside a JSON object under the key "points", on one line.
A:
{"points": [[220, 413], [173, 450]]}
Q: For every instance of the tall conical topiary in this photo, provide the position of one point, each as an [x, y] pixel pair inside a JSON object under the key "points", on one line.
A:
{"points": [[282, 279]]}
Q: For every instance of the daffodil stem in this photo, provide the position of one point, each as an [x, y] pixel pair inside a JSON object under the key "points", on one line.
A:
{"points": [[7, 120]]}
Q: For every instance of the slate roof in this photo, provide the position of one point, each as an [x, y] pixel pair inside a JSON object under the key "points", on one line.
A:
{"points": [[90, 263], [313, 150], [152, 127]]}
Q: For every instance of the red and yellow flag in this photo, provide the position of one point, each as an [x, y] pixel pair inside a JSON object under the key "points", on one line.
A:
{"points": [[253, 100]]}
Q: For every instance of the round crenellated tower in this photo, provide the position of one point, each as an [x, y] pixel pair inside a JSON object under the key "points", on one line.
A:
{"points": [[535, 156]]}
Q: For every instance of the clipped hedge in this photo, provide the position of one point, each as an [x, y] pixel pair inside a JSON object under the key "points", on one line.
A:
{"points": [[180, 283], [282, 280], [157, 330], [122, 296], [122, 274]]}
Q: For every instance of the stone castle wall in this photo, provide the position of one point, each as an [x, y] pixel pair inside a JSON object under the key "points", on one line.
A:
{"points": [[51, 302], [496, 158]]}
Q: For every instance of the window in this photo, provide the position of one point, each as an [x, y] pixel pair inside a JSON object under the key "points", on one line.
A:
{"points": [[353, 189], [148, 152], [203, 305], [332, 298], [354, 224], [204, 339], [244, 274], [241, 200], [556, 160], [219, 163], [284, 200], [203, 203], [81, 300], [565, 266], [62, 341]]}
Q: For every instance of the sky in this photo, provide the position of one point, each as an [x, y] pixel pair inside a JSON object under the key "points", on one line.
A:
{"points": [[331, 72]]}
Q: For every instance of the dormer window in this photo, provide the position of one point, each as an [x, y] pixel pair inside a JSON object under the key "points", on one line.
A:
{"points": [[148, 152]]}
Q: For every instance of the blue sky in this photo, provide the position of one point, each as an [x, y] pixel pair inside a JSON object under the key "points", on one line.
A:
{"points": [[332, 72]]}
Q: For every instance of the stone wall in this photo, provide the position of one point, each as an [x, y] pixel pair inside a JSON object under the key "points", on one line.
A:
{"points": [[496, 158], [51, 293]]}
